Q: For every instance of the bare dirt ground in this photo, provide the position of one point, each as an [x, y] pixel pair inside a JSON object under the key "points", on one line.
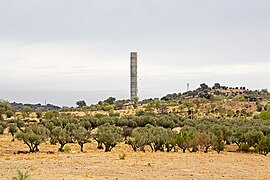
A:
{"points": [[96, 164]]}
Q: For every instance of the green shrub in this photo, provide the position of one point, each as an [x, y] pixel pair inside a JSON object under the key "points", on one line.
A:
{"points": [[112, 113], [66, 149], [244, 147], [122, 155], [51, 114], [38, 114], [108, 108], [265, 115], [21, 175], [9, 113], [264, 145]]}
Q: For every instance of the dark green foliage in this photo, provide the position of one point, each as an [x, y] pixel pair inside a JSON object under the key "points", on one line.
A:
{"points": [[86, 124], [140, 112], [81, 136], [152, 130], [109, 135], [33, 136], [139, 138], [62, 136], [20, 124], [61, 130], [218, 142], [169, 140], [238, 136], [26, 111], [12, 130], [127, 131], [9, 113], [252, 138], [38, 114], [158, 138], [81, 103], [51, 114], [108, 108], [165, 121], [110, 100], [244, 147], [185, 139], [265, 115], [264, 145]]}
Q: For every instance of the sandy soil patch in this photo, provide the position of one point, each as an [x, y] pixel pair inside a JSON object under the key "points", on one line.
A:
{"points": [[95, 164]]}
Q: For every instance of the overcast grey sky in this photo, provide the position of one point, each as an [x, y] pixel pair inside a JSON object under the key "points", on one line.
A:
{"points": [[66, 50]]}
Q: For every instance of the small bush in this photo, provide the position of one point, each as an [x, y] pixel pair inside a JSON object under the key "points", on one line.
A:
{"points": [[9, 113], [67, 149], [265, 115], [244, 147], [21, 176], [38, 114], [122, 156], [51, 114]]}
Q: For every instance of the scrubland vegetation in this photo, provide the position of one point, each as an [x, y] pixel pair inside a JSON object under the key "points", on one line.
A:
{"points": [[200, 120], [205, 120]]}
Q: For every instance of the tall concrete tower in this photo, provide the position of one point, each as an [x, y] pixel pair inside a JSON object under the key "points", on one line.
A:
{"points": [[133, 75]]}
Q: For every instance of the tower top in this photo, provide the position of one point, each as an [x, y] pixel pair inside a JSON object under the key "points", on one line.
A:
{"points": [[133, 54]]}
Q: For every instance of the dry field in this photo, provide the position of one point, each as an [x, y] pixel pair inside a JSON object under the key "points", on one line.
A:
{"points": [[95, 164]]}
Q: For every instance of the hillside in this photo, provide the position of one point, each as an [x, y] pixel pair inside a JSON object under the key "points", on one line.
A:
{"points": [[219, 102]]}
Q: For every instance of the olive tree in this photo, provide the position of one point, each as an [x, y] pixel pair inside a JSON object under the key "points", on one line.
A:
{"points": [[81, 136], [185, 140], [62, 136], [12, 130], [33, 136], [26, 111], [139, 138], [252, 138], [204, 141], [264, 145], [109, 135], [218, 142]]}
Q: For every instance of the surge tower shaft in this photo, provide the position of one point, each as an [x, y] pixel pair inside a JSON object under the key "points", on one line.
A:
{"points": [[133, 75]]}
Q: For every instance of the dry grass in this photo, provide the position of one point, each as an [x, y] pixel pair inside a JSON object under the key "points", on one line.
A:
{"points": [[96, 164]]}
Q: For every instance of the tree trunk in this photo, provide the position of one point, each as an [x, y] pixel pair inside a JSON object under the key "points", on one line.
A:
{"points": [[31, 148], [151, 147], [206, 150], [100, 145], [61, 147], [36, 148], [184, 150], [134, 147], [107, 148], [81, 147]]}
